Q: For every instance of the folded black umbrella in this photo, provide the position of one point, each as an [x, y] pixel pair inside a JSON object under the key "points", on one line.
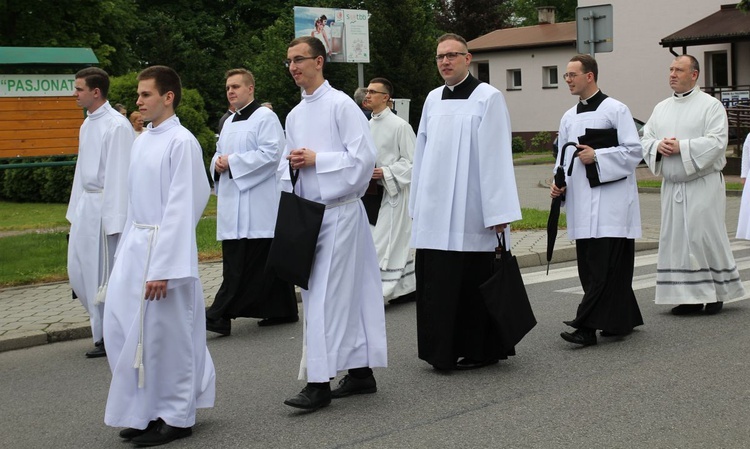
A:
{"points": [[506, 299], [554, 212]]}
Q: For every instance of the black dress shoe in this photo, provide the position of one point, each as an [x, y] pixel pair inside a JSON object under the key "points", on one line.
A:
{"points": [[162, 433], [310, 398], [403, 299], [350, 385], [98, 351], [583, 337], [221, 326], [130, 433], [466, 363], [274, 321], [713, 308], [687, 309]]}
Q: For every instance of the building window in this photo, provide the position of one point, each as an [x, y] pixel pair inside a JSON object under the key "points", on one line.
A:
{"points": [[514, 79], [549, 76], [483, 72], [718, 69]]}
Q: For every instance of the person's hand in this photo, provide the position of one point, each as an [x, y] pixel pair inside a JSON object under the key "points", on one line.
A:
{"points": [[555, 191], [222, 164], [668, 147], [377, 173], [586, 155], [302, 157], [156, 290], [500, 228]]}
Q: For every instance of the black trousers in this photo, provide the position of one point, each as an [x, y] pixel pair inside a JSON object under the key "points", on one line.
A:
{"points": [[605, 268], [246, 290], [452, 319]]}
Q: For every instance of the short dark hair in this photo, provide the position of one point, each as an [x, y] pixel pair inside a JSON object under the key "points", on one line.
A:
{"points": [[95, 78], [316, 46], [453, 37], [694, 65], [588, 63], [387, 84], [165, 79]]}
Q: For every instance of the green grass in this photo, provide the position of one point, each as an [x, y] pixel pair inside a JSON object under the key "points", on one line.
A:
{"points": [[31, 258], [24, 216], [656, 184], [535, 219]]}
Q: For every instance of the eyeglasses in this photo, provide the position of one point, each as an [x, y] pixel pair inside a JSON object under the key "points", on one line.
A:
{"points": [[451, 56], [297, 60], [571, 75], [373, 92]]}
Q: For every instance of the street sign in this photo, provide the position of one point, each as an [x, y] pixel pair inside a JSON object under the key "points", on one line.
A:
{"points": [[594, 30]]}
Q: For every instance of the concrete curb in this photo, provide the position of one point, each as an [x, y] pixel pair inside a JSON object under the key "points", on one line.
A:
{"points": [[73, 331]]}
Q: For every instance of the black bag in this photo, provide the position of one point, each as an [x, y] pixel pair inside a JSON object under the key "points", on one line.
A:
{"points": [[296, 236], [506, 298]]}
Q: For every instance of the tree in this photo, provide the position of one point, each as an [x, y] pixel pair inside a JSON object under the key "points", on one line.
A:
{"points": [[472, 18]]}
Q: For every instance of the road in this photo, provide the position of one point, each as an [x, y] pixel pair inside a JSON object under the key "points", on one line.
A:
{"points": [[676, 382]]}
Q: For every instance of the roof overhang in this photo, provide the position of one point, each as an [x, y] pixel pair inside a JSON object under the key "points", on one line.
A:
{"points": [[537, 36], [727, 25], [47, 56]]}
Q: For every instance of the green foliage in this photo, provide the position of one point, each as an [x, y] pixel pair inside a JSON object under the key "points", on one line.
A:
{"points": [[542, 141], [535, 219], [472, 18], [123, 89], [38, 185], [193, 116], [24, 216], [518, 145], [38, 258], [524, 12]]}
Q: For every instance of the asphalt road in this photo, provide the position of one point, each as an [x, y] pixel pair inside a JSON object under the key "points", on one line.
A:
{"points": [[676, 382]]}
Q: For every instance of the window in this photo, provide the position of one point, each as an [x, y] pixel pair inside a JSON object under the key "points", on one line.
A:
{"points": [[514, 79], [549, 76], [718, 69], [483, 72]]}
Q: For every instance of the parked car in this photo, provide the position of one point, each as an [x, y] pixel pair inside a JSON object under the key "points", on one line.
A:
{"points": [[638, 125]]}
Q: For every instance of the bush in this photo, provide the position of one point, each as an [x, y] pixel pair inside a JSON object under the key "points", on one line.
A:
{"points": [[39, 184], [541, 142], [518, 145]]}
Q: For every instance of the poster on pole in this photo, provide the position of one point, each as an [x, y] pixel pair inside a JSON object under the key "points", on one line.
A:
{"points": [[343, 32]]}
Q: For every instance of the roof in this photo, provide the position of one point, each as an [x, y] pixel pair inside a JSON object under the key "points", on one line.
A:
{"points": [[729, 24], [543, 35], [47, 56]]}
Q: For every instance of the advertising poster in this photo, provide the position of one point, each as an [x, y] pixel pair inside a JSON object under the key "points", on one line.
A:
{"points": [[343, 32]]}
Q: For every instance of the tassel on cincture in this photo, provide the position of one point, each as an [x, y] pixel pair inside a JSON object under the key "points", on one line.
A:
{"points": [[138, 364], [141, 376], [101, 294]]}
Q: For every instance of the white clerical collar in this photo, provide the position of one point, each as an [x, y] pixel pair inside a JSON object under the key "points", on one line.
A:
{"points": [[586, 100], [454, 86], [685, 94], [381, 113]]}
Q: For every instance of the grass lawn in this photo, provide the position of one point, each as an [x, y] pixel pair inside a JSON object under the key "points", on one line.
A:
{"points": [[41, 256], [656, 183]]}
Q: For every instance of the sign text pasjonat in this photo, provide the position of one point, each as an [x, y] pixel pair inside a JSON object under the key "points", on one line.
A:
{"points": [[36, 85]]}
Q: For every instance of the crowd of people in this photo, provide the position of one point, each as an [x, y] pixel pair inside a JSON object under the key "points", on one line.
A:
{"points": [[407, 217]]}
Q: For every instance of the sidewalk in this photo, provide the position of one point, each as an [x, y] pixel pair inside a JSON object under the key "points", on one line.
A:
{"points": [[39, 314]]}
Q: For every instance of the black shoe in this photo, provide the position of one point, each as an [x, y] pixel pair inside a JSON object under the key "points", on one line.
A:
{"points": [[130, 433], [466, 363], [350, 385], [713, 308], [98, 351], [687, 309], [221, 326], [403, 299], [310, 398], [162, 433], [583, 337], [274, 321]]}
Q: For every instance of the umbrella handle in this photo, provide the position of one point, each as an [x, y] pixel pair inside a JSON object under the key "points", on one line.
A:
{"points": [[562, 151]]}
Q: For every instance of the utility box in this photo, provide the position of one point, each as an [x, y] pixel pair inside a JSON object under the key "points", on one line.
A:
{"points": [[401, 105]]}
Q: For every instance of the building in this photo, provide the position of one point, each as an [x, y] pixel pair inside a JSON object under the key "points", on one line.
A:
{"points": [[527, 63]]}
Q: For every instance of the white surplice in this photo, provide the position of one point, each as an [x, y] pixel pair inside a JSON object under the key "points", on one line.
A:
{"points": [[609, 210], [463, 181], [343, 307], [248, 200], [695, 264], [168, 191], [743, 223], [98, 206], [394, 140]]}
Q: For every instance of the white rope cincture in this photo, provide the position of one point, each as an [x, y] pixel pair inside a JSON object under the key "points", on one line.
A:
{"points": [[138, 363], [101, 294]]}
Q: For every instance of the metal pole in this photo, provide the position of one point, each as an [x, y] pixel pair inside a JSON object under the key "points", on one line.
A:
{"points": [[361, 74], [592, 43]]}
